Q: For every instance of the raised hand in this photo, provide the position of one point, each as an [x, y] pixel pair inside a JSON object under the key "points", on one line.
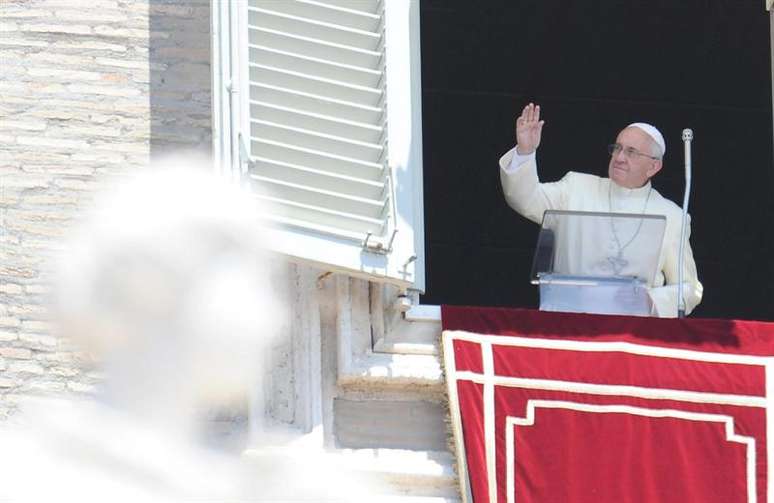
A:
{"points": [[529, 127]]}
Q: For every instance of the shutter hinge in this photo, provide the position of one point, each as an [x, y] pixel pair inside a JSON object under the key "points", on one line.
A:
{"points": [[244, 154]]}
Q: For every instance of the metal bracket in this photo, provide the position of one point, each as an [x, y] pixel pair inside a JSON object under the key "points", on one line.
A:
{"points": [[377, 247]]}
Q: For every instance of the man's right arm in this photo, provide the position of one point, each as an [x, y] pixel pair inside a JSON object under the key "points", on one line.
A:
{"points": [[523, 190], [518, 171]]}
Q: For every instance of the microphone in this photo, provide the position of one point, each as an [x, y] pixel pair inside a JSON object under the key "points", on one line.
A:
{"points": [[687, 139]]}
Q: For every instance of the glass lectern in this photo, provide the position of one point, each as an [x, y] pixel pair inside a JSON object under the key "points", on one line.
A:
{"points": [[604, 263]]}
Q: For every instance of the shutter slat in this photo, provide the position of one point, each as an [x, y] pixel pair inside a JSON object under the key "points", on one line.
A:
{"points": [[351, 15], [363, 6], [311, 215], [297, 154], [343, 230], [301, 82], [294, 173], [346, 111], [318, 67], [334, 33], [333, 201], [314, 47], [316, 141], [316, 122]]}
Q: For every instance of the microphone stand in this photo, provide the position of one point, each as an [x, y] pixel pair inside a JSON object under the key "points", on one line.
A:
{"points": [[687, 138]]}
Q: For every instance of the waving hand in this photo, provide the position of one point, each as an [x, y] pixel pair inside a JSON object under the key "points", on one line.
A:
{"points": [[529, 128]]}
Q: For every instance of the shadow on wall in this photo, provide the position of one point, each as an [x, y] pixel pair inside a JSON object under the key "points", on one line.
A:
{"points": [[180, 79]]}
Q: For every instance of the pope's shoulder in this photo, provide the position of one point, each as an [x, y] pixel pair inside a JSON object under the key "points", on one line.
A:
{"points": [[582, 178], [667, 205]]}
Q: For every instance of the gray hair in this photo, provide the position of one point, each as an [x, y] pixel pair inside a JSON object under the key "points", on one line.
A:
{"points": [[655, 149]]}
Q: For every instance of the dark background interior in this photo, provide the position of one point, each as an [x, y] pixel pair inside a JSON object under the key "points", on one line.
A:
{"points": [[595, 67]]}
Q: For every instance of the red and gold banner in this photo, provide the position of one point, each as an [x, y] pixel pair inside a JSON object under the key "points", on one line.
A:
{"points": [[559, 407]]}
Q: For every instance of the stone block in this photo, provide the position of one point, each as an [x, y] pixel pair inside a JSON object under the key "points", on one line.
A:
{"points": [[93, 4], [140, 147], [86, 131], [109, 31], [55, 113], [37, 229], [137, 7], [69, 75], [78, 61], [104, 118], [25, 13], [51, 199], [13, 398], [132, 108], [81, 105], [103, 90], [73, 29], [11, 288], [45, 386], [88, 45], [201, 55], [39, 340], [392, 424], [64, 371], [124, 63], [26, 181], [16, 353], [59, 357], [8, 238], [10, 321], [37, 289], [22, 42], [81, 387], [6, 382], [97, 375], [23, 367], [13, 87], [76, 184], [7, 336], [91, 15], [26, 310], [27, 125], [42, 141], [184, 11], [157, 35]]}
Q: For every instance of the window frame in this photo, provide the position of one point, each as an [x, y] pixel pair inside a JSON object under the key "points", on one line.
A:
{"points": [[403, 263]]}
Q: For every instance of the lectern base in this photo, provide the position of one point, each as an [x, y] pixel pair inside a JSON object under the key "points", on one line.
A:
{"points": [[617, 297]]}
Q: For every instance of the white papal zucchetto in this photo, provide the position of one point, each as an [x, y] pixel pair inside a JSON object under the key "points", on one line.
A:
{"points": [[653, 133]]}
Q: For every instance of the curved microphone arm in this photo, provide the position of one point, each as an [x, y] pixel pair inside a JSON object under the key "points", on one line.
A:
{"points": [[687, 138]]}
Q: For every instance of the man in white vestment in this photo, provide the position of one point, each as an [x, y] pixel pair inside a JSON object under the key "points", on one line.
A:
{"points": [[635, 158]]}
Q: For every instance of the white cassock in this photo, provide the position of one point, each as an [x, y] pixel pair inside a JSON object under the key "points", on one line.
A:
{"points": [[582, 192]]}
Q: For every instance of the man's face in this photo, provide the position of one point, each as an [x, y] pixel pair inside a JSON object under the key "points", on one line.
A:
{"points": [[632, 171]]}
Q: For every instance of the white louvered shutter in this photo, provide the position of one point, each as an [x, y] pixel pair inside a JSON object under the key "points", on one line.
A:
{"points": [[329, 116]]}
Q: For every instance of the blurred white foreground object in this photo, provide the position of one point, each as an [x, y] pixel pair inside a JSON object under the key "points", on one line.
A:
{"points": [[167, 284]]}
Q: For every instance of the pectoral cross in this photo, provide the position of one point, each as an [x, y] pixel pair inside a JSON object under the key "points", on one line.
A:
{"points": [[618, 263]]}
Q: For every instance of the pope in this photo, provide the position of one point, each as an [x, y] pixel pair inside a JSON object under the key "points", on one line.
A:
{"points": [[635, 157]]}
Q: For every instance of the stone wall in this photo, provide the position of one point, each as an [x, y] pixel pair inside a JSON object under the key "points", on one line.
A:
{"points": [[89, 91]]}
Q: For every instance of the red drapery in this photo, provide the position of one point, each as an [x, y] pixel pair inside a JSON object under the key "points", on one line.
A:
{"points": [[559, 407]]}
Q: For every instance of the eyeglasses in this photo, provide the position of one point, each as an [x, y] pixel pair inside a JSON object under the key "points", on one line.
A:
{"points": [[629, 152]]}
